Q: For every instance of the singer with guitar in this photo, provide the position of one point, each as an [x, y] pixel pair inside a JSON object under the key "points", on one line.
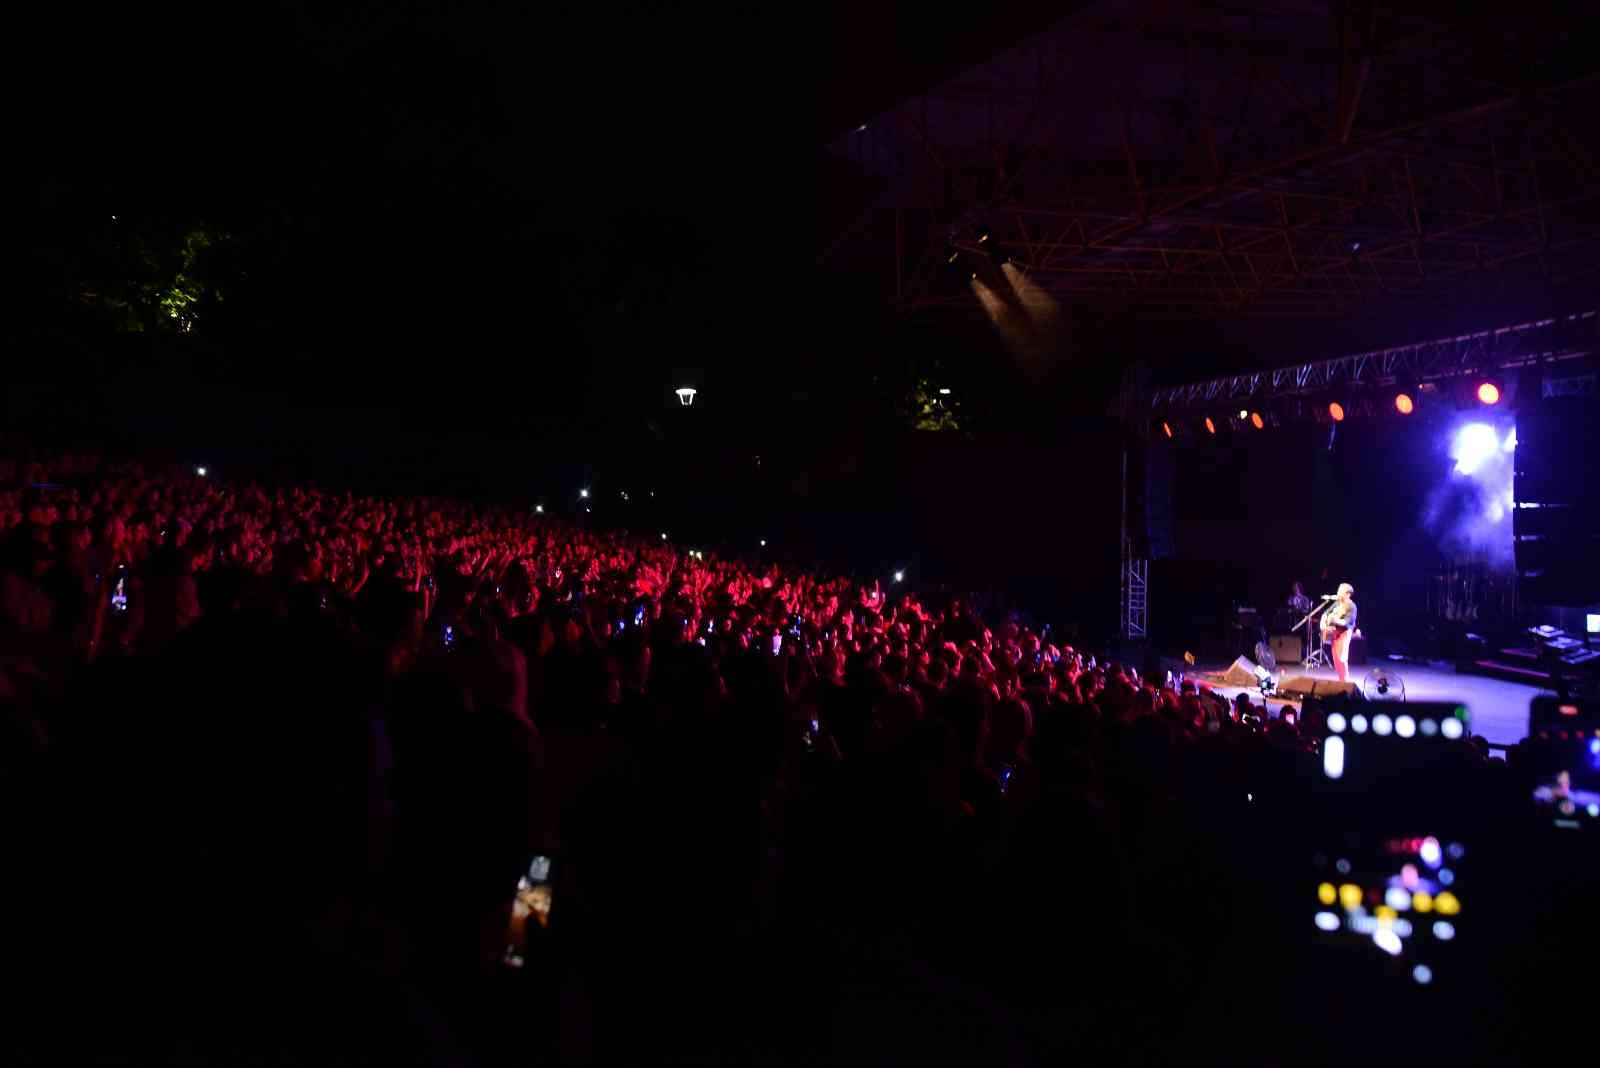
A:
{"points": [[1339, 626]]}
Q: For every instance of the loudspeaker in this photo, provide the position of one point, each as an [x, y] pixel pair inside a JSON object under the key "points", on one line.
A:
{"points": [[1242, 672], [1306, 686], [1556, 525], [1286, 648]]}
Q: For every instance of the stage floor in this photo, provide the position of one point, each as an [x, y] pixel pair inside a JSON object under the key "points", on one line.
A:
{"points": [[1499, 708]]}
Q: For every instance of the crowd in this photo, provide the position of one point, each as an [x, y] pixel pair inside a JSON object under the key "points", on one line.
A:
{"points": [[280, 755]]}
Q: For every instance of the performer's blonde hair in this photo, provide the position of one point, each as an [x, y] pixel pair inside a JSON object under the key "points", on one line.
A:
{"points": [[1345, 587]]}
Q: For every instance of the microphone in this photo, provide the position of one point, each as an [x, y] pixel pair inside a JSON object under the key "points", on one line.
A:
{"points": [[1330, 597]]}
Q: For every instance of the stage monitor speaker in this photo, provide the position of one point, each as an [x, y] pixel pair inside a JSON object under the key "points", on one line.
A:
{"points": [[1242, 672], [1306, 686], [1286, 648]]}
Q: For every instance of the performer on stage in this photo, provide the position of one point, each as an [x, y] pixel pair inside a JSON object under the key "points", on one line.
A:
{"points": [[1298, 603], [1338, 627]]}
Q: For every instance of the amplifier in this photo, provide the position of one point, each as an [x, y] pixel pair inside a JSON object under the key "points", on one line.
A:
{"points": [[1286, 648]]}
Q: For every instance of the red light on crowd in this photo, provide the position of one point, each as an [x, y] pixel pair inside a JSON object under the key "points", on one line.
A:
{"points": [[1488, 393], [1256, 420], [1404, 404], [1336, 412], [1166, 428], [1211, 428]]}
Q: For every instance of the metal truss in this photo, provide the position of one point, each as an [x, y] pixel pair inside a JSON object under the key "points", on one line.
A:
{"points": [[1583, 385], [1135, 591], [1503, 349], [1244, 184]]}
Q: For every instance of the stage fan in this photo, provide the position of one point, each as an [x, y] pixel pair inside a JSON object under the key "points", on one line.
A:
{"points": [[1265, 658], [1381, 684]]}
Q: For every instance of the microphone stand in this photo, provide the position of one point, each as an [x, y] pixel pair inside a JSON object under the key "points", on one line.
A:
{"points": [[1314, 659]]}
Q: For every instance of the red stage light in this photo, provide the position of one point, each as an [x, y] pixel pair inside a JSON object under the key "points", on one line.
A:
{"points": [[1211, 428], [1488, 393], [1256, 420], [1336, 412], [1166, 428], [1404, 404]]}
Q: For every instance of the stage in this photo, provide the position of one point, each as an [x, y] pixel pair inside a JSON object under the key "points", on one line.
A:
{"points": [[1499, 709]]}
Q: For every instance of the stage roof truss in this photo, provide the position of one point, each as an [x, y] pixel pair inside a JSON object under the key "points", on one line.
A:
{"points": [[1223, 178], [1507, 348]]}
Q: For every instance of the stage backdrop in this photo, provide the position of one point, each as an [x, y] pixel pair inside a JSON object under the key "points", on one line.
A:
{"points": [[1384, 508]]}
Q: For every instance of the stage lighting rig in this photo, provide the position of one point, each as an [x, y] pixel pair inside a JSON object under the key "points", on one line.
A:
{"points": [[1211, 427], [1488, 393], [1336, 411], [1405, 401]]}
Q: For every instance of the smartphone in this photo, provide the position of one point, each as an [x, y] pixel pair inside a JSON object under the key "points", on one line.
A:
{"points": [[449, 636], [531, 908], [1563, 758], [1398, 894], [1389, 744], [119, 590], [777, 644], [795, 623], [638, 616]]}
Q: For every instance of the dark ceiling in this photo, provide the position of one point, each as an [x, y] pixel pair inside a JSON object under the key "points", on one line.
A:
{"points": [[1186, 160]]}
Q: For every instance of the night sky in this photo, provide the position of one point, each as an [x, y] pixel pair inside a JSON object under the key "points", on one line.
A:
{"points": [[535, 211]]}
